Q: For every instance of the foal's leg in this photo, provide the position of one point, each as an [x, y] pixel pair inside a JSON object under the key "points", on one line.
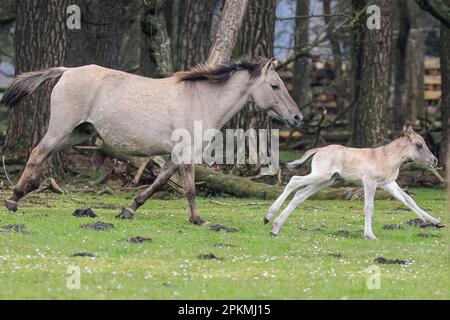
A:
{"points": [[188, 173], [397, 192], [370, 188], [295, 183], [167, 171], [299, 197]]}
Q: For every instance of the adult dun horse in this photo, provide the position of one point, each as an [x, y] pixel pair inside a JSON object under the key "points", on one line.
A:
{"points": [[137, 115]]}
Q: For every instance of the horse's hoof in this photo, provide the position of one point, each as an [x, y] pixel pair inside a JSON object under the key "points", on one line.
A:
{"points": [[11, 205], [438, 225], [126, 214], [273, 234], [198, 221], [265, 220]]}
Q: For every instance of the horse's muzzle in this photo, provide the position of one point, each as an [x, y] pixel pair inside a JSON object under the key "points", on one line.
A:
{"points": [[295, 121]]}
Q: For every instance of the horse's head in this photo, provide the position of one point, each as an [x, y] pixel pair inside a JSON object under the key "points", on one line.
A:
{"points": [[417, 148], [269, 93]]}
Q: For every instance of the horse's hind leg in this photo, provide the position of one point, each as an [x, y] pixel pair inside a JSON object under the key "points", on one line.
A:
{"points": [[299, 197], [54, 141], [167, 171], [30, 179]]}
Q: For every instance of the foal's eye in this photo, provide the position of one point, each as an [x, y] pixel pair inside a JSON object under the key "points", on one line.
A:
{"points": [[419, 145], [275, 87]]}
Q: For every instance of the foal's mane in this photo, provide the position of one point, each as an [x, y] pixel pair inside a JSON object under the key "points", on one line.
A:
{"points": [[221, 72]]}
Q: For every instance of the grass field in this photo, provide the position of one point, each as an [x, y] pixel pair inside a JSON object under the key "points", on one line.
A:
{"points": [[320, 253]]}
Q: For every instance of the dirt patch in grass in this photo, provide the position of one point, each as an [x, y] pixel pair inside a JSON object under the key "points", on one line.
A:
{"points": [[84, 213], [19, 228], [421, 224], [347, 234], [83, 254], [218, 227], [335, 255], [427, 235], [139, 239], [208, 256], [382, 260], [392, 227], [107, 206], [100, 226]]}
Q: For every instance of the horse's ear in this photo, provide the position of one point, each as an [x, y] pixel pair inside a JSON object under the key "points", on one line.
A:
{"points": [[271, 64], [408, 130]]}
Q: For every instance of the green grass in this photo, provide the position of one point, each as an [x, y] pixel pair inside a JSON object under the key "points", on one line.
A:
{"points": [[297, 265]]}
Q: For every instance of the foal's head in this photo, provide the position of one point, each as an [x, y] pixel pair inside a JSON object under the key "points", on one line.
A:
{"points": [[270, 94], [417, 148]]}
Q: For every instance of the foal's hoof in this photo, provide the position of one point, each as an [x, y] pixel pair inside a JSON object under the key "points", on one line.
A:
{"points": [[198, 221], [126, 214], [438, 225], [274, 235], [265, 220], [11, 205]]}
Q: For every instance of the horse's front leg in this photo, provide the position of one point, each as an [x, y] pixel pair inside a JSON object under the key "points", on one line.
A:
{"points": [[188, 173], [165, 174], [397, 192], [370, 188]]}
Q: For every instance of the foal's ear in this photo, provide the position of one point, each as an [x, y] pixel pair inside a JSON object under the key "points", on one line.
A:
{"points": [[408, 130], [270, 65]]}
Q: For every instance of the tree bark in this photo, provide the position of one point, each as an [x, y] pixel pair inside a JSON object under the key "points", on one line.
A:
{"points": [[445, 100], [372, 77], [401, 59], [99, 39], [40, 42], [302, 69], [227, 31], [108, 15], [156, 60], [194, 34]]}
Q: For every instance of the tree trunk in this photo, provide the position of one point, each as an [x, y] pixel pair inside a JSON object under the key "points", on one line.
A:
{"points": [[40, 42], [194, 34], [445, 100], [227, 31], [372, 77], [301, 76], [156, 59], [401, 58], [108, 15]]}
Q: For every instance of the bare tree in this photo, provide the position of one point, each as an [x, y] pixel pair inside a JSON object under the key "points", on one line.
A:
{"points": [[40, 42], [440, 9], [194, 34], [445, 102], [372, 76], [227, 31], [301, 76]]}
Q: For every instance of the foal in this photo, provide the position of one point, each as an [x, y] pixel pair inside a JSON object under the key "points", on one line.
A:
{"points": [[376, 167]]}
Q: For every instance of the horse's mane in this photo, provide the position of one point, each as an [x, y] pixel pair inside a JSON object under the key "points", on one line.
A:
{"points": [[221, 72]]}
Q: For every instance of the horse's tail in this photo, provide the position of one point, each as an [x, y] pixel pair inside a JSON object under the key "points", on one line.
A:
{"points": [[26, 83], [297, 163]]}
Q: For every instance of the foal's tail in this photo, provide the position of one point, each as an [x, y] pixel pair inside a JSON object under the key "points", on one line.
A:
{"points": [[26, 83], [297, 163]]}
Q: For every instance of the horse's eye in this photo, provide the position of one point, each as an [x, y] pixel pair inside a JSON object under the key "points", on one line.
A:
{"points": [[419, 145], [275, 87]]}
